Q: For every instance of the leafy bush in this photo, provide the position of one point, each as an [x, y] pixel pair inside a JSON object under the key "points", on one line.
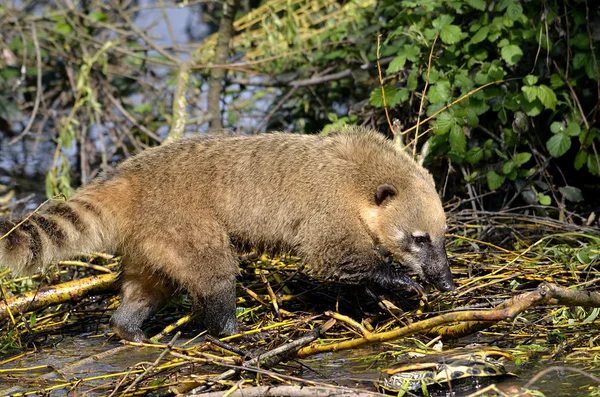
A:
{"points": [[541, 72]]}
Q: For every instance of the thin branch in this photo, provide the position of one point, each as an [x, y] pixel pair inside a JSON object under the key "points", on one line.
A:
{"points": [[169, 26], [132, 119], [221, 52], [39, 91]]}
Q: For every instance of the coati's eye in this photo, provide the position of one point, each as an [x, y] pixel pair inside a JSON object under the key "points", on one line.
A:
{"points": [[422, 239]]}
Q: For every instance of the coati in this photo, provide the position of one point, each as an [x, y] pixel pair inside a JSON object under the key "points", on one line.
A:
{"points": [[175, 213]]}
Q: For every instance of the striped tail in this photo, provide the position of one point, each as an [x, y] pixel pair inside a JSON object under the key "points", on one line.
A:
{"points": [[57, 232]]}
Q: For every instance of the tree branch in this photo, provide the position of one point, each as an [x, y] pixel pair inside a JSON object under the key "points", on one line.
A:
{"points": [[221, 52]]}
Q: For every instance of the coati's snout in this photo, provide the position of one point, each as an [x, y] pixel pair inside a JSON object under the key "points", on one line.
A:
{"points": [[411, 224], [432, 265]]}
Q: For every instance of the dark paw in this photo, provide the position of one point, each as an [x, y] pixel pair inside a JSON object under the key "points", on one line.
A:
{"points": [[390, 278], [127, 331], [412, 286], [132, 335]]}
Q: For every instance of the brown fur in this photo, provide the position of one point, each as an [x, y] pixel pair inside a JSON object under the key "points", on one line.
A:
{"points": [[174, 212]]}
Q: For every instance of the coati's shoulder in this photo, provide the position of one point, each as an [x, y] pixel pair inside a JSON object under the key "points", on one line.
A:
{"points": [[373, 151]]}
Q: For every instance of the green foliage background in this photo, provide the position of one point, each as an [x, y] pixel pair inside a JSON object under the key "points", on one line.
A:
{"points": [[546, 99], [510, 92]]}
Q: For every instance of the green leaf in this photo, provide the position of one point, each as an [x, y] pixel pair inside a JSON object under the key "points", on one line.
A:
{"points": [[377, 99], [580, 60], [522, 158], [534, 108], [494, 180], [396, 98], [587, 256], [411, 83], [480, 35], [458, 140], [530, 92], [444, 122], [557, 127], [478, 106], [503, 4], [450, 34], [508, 167], [50, 183], [514, 11], [477, 4], [547, 96], [496, 71], [471, 117], [544, 199], [511, 54], [556, 81], [63, 28], [530, 79], [502, 116], [442, 20], [580, 159], [439, 92], [464, 82], [396, 64], [580, 41], [471, 177], [98, 16], [573, 129], [558, 144], [474, 155], [482, 78], [588, 137], [143, 108], [411, 52], [571, 193], [592, 165], [434, 75]]}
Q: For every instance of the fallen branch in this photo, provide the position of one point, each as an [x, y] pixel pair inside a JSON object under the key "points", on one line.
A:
{"points": [[53, 295], [475, 319]]}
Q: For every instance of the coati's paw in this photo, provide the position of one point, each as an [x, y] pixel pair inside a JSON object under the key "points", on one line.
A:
{"points": [[390, 278], [412, 286], [132, 334]]}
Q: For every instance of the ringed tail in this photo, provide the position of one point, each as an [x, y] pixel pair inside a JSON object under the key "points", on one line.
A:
{"points": [[57, 231]]}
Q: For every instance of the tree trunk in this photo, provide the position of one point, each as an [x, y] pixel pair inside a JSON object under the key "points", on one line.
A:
{"points": [[221, 52]]}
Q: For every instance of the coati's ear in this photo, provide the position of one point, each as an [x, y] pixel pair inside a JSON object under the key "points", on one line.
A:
{"points": [[384, 192]]}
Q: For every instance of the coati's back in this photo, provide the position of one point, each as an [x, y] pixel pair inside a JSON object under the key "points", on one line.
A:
{"points": [[263, 188]]}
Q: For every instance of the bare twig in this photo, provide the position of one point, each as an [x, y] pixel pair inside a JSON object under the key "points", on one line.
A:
{"points": [[40, 89]]}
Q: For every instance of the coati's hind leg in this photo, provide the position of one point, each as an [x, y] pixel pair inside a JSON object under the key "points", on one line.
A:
{"points": [[219, 308], [207, 268], [143, 292]]}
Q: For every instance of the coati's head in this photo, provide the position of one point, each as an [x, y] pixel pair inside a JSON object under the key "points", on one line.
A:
{"points": [[410, 224]]}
